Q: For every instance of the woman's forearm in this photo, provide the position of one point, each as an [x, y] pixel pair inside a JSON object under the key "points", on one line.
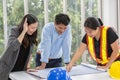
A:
{"points": [[21, 36], [78, 53]]}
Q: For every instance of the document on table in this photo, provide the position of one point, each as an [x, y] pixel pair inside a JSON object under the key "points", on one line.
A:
{"points": [[81, 69]]}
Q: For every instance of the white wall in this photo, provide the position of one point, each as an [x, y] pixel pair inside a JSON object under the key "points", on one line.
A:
{"points": [[119, 19], [109, 13]]}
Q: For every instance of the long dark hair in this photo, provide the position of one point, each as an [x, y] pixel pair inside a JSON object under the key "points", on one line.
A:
{"points": [[92, 22], [28, 39]]}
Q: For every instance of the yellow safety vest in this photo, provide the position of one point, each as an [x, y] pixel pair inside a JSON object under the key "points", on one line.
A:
{"points": [[103, 47]]}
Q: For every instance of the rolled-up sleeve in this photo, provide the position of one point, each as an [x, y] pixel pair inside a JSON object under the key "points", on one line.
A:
{"points": [[10, 54], [13, 41]]}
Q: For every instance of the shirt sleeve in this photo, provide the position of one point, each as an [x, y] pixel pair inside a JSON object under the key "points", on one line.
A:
{"points": [[45, 44], [112, 36], [13, 41], [66, 47], [84, 39]]}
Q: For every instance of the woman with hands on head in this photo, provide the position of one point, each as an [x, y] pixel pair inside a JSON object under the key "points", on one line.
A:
{"points": [[101, 42], [19, 48]]}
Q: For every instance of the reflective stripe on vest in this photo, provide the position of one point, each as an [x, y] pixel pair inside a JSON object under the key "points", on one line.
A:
{"points": [[103, 47]]}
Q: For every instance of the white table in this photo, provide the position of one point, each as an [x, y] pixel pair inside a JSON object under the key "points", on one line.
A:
{"points": [[25, 76], [22, 75]]}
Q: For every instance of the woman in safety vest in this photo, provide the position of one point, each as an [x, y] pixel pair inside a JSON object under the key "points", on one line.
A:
{"points": [[101, 42]]}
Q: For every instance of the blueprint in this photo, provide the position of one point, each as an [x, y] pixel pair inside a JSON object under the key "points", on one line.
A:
{"points": [[81, 69]]}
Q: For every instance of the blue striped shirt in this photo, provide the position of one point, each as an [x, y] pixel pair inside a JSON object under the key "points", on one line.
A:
{"points": [[54, 45]]}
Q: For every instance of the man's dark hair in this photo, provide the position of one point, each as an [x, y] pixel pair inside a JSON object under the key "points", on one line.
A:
{"points": [[62, 19], [92, 22]]}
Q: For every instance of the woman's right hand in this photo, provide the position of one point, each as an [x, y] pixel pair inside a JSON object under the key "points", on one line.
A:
{"points": [[25, 26], [25, 29], [69, 67]]}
